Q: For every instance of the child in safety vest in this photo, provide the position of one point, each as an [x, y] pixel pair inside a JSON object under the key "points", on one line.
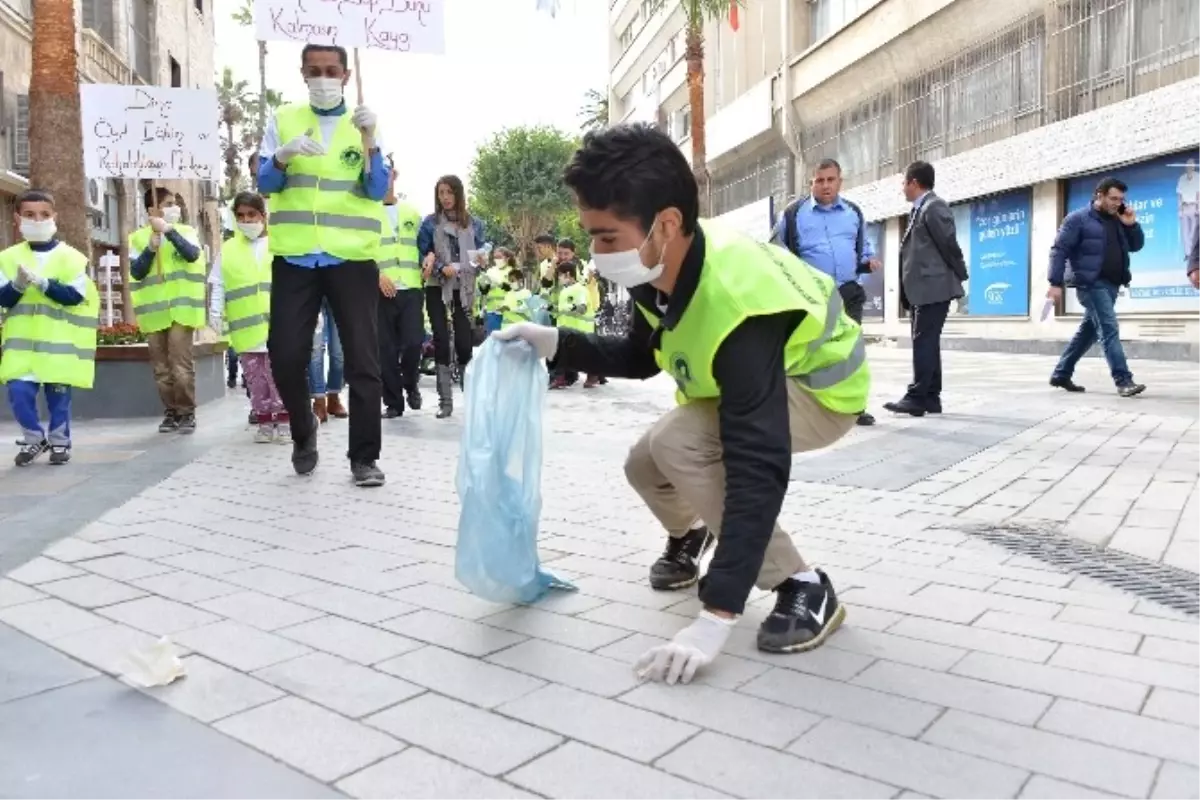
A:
{"points": [[573, 313], [49, 336], [515, 306], [491, 296], [241, 294]]}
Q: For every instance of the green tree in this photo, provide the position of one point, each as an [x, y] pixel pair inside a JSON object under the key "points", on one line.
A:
{"points": [[516, 178], [232, 97], [244, 16], [593, 114], [696, 14]]}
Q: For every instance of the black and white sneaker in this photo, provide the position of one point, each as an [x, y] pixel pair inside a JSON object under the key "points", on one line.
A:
{"points": [[187, 424], [679, 565], [1131, 389], [169, 423], [29, 453], [366, 474], [60, 455], [804, 616]]}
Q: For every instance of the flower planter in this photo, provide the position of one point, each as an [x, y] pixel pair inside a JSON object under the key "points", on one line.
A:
{"points": [[124, 385]]}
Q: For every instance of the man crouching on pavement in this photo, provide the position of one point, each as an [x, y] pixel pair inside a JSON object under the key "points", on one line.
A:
{"points": [[762, 356]]}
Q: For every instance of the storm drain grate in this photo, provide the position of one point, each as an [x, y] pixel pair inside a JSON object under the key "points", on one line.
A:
{"points": [[1170, 586]]}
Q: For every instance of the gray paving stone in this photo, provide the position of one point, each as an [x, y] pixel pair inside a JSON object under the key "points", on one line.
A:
{"points": [[340, 685], [1058, 631], [418, 775], [1167, 650], [1133, 668], [954, 595], [259, 610], [652, 622], [1047, 753], [460, 677], [91, 591], [828, 662], [1173, 706], [210, 691], [148, 547], [310, 738], [352, 604], [185, 587], [1052, 680], [727, 672], [124, 568], [29, 667], [903, 762], [1124, 731], [482, 740], [635, 594], [211, 564], [14, 594], [1040, 787], [569, 631], [570, 667], [108, 648], [42, 570], [972, 638], [352, 640], [158, 616], [749, 770], [896, 648], [75, 549], [461, 635], [50, 618], [953, 691], [576, 770], [274, 582], [1134, 623], [447, 601], [240, 646], [913, 606], [1177, 782]]}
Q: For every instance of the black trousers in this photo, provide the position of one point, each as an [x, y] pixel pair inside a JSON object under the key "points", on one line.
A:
{"points": [[927, 323], [854, 297], [401, 331], [439, 321], [352, 289]]}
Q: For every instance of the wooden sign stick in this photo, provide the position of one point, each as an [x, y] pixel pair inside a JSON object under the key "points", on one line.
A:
{"points": [[358, 77]]}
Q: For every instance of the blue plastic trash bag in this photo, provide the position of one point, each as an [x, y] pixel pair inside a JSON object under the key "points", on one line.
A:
{"points": [[500, 475], [538, 310]]}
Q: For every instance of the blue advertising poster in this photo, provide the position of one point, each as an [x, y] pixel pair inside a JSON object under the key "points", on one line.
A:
{"points": [[993, 233], [873, 282], [1165, 193]]}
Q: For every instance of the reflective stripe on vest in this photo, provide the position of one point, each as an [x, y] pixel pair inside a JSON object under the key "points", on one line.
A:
{"points": [[354, 187], [246, 291], [49, 348], [325, 220], [56, 313], [176, 296], [246, 279]]}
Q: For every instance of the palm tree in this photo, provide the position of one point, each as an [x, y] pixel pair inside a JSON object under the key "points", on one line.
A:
{"points": [[55, 126], [232, 97], [696, 13], [594, 111], [244, 16]]}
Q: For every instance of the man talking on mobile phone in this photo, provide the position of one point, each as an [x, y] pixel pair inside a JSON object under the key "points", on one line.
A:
{"points": [[1091, 253]]}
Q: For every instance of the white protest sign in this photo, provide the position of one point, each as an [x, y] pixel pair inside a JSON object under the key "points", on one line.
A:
{"points": [[401, 26], [150, 132]]}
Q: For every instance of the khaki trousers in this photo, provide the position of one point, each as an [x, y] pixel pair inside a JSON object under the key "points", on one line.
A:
{"points": [[174, 368], [677, 469]]}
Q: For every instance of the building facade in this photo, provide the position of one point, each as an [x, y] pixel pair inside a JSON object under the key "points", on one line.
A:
{"points": [[1020, 106], [166, 43]]}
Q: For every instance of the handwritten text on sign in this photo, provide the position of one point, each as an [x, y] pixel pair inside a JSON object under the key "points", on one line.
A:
{"points": [[402, 26], [150, 132]]}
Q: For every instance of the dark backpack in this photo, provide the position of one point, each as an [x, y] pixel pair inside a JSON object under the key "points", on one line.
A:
{"points": [[791, 239]]}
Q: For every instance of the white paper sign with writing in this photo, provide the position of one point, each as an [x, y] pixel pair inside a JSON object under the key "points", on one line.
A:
{"points": [[150, 132], [401, 26]]}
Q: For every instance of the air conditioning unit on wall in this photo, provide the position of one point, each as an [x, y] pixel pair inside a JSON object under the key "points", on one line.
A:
{"points": [[95, 194]]}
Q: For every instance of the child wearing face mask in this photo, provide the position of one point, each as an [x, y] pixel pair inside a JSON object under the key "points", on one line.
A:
{"points": [[516, 297], [241, 294], [49, 334], [492, 295]]}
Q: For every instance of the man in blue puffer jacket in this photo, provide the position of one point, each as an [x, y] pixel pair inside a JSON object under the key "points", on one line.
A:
{"points": [[1091, 253]]}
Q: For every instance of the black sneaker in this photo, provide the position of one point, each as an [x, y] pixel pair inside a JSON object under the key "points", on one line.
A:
{"points": [[187, 424], [59, 455], [366, 474], [169, 423], [1131, 389], [393, 412], [1066, 384], [866, 419], [304, 453], [804, 616], [413, 396], [679, 565], [30, 452]]}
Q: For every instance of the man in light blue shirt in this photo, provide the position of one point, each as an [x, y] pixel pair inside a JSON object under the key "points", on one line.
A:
{"points": [[828, 232]]}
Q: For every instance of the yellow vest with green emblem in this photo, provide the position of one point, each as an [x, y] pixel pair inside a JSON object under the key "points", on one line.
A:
{"points": [[572, 311], [173, 290], [495, 278], [514, 306], [398, 256], [323, 207], [742, 278], [247, 283], [51, 342]]}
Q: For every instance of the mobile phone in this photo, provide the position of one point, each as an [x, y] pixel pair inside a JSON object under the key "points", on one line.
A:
{"points": [[1121, 209]]}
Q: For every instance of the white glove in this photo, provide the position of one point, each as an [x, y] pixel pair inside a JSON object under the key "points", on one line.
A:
{"points": [[303, 145], [364, 119], [693, 647], [542, 338], [159, 225], [156, 242], [25, 278]]}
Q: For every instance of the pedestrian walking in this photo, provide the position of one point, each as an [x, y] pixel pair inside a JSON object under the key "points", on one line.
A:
{"points": [[572, 314], [765, 362], [1091, 253], [828, 232], [326, 380], [167, 273], [325, 177], [401, 323], [48, 340], [932, 272]]}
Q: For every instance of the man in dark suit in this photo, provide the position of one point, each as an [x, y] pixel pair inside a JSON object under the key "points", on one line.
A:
{"points": [[932, 272]]}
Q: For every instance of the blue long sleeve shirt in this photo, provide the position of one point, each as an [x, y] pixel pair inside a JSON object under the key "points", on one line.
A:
{"points": [[271, 178], [827, 238], [428, 227], [65, 294], [140, 267]]}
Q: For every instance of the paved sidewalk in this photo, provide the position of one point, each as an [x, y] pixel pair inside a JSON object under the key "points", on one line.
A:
{"points": [[322, 625]]}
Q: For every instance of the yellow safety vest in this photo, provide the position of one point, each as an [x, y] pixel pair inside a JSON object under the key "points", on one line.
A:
{"points": [[398, 255], [44, 339], [494, 278], [513, 306], [742, 278], [247, 282], [573, 309], [323, 207], [173, 290]]}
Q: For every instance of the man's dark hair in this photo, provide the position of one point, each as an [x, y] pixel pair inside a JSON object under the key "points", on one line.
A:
{"points": [[325, 48], [921, 172], [163, 193], [566, 244], [569, 267], [544, 238], [634, 171], [1108, 184], [251, 199], [34, 196], [828, 163]]}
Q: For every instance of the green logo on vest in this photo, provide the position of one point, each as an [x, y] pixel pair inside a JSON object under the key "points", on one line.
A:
{"points": [[681, 371], [409, 224], [352, 157]]}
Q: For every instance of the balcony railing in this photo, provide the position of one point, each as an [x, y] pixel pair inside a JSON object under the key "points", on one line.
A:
{"points": [[100, 63]]}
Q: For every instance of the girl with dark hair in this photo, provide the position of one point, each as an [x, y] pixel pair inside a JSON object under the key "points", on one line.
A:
{"points": [[449, 243]]}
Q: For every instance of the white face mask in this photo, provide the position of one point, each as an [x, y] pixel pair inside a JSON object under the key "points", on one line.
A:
{"points": [[171, 214], [325, 93], [38, 230], [251, 230], [626, 268]]}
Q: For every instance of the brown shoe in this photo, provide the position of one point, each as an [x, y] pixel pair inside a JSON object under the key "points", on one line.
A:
{"points": [[592, 382], [334, 404], [320, 410]]}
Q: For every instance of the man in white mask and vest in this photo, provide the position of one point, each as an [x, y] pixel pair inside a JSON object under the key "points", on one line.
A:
{"points": [[325, 178]]}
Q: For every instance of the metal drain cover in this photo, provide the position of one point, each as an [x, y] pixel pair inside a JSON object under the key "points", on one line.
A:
{"points": [[1170, 586]]}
